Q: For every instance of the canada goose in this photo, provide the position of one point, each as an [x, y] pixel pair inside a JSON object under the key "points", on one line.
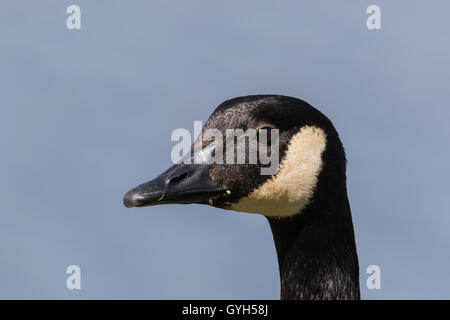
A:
{"points": [[305, 200]]}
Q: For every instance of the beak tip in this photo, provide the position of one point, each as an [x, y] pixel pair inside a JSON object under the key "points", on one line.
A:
{"points": [[128, 199]]}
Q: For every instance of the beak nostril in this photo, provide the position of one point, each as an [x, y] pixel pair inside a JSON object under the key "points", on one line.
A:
{"points": [[178, 179]]}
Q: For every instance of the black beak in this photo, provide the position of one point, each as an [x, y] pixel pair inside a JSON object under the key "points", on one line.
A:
{"points": [[180, 184]]}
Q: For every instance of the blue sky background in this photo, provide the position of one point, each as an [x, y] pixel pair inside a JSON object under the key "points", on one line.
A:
{"points": [[86, 115]]}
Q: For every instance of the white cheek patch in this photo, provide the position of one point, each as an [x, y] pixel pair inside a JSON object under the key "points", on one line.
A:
{"points": [[289, 191]]}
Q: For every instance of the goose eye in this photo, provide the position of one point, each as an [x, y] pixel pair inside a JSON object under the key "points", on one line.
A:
{"points": [[267, 131]]}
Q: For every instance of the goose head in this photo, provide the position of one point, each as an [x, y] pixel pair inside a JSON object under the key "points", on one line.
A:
{"points": [[291, 170], [295, 136]]}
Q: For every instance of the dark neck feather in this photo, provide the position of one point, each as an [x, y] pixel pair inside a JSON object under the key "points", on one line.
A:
{"points": [[317, 253]]}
